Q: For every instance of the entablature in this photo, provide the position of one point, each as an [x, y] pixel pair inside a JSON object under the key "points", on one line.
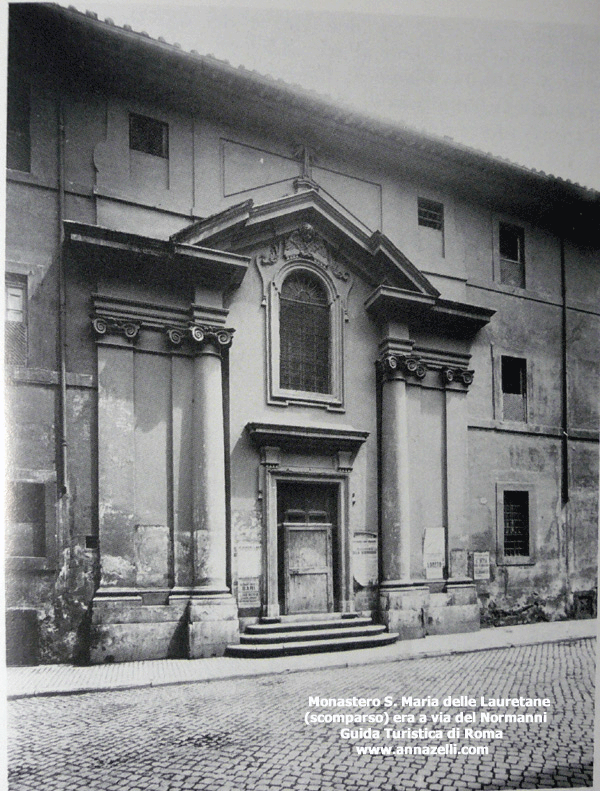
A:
{"points": [[306, 439], [157, 260]]}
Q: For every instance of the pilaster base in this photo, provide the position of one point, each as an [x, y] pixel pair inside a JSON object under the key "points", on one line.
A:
{"points": [[414, 611], [125, 629], [455, 610], [403, 610], [213, 625]]}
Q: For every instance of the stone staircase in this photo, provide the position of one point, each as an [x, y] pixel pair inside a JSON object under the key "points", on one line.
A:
{"points": [[310, 634]]}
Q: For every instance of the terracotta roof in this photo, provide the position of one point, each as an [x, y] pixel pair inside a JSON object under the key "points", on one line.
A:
{"points": [[343, 110], [193, 77]]}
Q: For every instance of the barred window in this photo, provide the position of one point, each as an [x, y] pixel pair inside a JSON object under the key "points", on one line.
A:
{"points": [[516, 524], [148, 136], [431, 214], [305, 334], [15, 325], [511, 243]]}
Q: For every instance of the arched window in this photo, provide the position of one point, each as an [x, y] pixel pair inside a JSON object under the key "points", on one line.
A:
{"points": [[304, 334]]}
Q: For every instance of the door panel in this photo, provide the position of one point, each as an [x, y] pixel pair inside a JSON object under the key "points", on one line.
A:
{"points": [[307, 514], [308, 568]]}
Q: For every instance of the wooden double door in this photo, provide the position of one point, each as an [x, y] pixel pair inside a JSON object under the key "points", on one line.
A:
{"points": [[308, 546]]}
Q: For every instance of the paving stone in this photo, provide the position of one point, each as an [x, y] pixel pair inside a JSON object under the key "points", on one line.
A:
{"points": [[249, 734]]}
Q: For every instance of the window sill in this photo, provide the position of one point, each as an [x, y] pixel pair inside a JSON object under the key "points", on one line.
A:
{"points": [[301, 398], [517, 561]]}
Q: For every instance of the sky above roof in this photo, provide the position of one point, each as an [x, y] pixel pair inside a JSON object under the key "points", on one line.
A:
{"points": [[519, 79]]}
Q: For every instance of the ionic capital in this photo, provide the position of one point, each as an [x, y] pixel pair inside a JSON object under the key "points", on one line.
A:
{"points": [[201, 334], [405, 365], [459, 375], [105, 325]]}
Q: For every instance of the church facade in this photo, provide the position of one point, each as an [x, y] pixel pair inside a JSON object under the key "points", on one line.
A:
{"points": [[268, 359]]}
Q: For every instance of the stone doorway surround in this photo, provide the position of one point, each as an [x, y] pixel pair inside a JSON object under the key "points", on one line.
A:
{"points": [[277, 445]]}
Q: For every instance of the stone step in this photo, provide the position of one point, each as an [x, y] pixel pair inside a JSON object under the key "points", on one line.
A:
{"points": [[314, 616], [298, 635], [289, 626], [310, 646]]}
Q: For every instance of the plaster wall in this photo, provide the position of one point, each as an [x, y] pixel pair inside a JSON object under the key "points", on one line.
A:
{"points": [[248, 403], [211, 167]]}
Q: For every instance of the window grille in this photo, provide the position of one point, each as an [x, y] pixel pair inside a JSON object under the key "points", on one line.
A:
{"points": [[514, 389], [516, 524], [305, 335], [148, 136], [15, 325], [512, 255], [431, 214]]}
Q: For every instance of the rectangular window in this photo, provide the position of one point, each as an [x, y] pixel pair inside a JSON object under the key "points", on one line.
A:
{"points": [[431, 214], [511, 241], [15, 326], [514, 389], [26, 519], [18, 148], [148, 136], [516, 524]]}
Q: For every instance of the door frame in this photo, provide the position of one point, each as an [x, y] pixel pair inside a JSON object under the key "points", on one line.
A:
{"points": [[344, 602]]}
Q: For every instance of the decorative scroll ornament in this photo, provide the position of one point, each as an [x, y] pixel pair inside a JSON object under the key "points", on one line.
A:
{"points": [[409, 365], [306, 243], [450, 375], [104, 325], [200, 334], [272, 257]]}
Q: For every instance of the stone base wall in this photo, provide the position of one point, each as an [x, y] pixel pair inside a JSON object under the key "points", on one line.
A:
{"points": [[415, 611], [127, 630]]}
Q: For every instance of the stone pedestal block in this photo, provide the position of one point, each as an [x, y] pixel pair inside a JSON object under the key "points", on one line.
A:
{"points": [[213, 625], [454, 611], [403, 610], [125, 630], [461, 592]]}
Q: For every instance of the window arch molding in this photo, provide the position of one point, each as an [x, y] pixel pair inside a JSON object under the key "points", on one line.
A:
{"points": [[277, 393]]}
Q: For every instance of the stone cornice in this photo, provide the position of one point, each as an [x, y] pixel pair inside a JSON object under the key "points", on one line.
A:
{"points": [[377, 257], [427, 312], [107, 249], [306, 439]]}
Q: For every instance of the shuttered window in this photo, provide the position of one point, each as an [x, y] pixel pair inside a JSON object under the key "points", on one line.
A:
{"points": [[148, 136], [514, 389], [305, 335], [431, 214], [511, 243]]}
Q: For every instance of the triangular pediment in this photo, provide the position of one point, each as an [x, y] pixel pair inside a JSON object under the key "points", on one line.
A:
{"points": [[314, 228]]}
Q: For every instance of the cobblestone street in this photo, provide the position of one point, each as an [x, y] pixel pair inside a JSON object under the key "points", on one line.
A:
{"points": [[251, 733]]}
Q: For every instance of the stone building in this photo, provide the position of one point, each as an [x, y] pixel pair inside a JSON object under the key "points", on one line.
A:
{"points": [[273, 364]]}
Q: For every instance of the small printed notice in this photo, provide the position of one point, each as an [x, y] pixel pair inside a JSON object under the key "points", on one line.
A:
{"points": [[249, 591], [433, 553], [452, 725], [364, 558], [481, 565]]}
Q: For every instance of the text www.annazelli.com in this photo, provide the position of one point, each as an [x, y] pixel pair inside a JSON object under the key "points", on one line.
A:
{"points": [[421, 749]]}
